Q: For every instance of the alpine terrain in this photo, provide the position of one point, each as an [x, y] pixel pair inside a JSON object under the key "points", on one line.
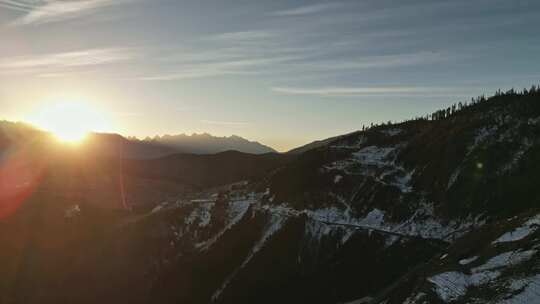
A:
{"points": [[439, 209]]}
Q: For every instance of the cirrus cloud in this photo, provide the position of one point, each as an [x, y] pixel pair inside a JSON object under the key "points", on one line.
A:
{"points": [[308, 9], [63, 63], [366, 91], [44, 11]]}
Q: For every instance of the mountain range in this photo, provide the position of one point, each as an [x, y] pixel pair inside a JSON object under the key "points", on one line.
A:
{"points": [[207, 144], [149, 148], [438, 209], [161, 146]]}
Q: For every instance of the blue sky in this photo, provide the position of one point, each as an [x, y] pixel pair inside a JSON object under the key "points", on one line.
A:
{"points": [[280, 72]]}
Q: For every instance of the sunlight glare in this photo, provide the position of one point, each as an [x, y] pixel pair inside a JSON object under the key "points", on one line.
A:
{"points": [[70, 121]]}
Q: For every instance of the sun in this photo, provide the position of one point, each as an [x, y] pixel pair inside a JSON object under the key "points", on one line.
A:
{"points": [[70, 122]]}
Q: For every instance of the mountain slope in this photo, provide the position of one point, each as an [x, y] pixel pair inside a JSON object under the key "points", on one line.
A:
{"points": [[365, 210], [439, 211], [205, 171], [109, 171], [314, 145], [496, 264]]}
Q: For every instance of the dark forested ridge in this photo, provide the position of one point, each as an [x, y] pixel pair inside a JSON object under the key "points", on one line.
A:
{"points": [[204, 171], [437, 209]]}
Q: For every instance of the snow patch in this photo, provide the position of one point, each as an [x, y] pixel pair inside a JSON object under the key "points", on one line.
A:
{"points": [[391, 132], [453, 178], [415, 298], [404, 182], [235, 212], [378, 163], [481, 136], [505, 260], [423, 223], [361, 140], [525, 145], [72, 211], [237, 208], [391, 240], [274, 225], [534, 121], [159, 207], [468, 260], [452, 285], [202, 213], [374, 155], [521, 232], [347, 235], [526, 289], [156, 209]]}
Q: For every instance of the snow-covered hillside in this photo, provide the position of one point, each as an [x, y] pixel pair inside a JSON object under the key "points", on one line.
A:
{"points": [[444, 210], [504, 270], [365, 215]]}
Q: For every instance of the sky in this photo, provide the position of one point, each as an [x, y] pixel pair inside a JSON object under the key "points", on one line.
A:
{"points": [[281, 72]]}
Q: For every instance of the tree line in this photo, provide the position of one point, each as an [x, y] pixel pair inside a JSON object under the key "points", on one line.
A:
{"points": [[459, 107]]}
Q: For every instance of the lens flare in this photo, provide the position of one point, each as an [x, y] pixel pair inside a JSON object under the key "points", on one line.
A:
{"points": [[20, 175], [70, 121]]}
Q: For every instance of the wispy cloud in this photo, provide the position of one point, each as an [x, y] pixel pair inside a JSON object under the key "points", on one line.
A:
{"points": [[217, 61], [203, 70], [43, 11], [249, 61], [364, 91], [273, 51], [53, 65], [15, 5], [186, 74], [225, 123], [243, 36], [308, 9], [380, 61]]}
